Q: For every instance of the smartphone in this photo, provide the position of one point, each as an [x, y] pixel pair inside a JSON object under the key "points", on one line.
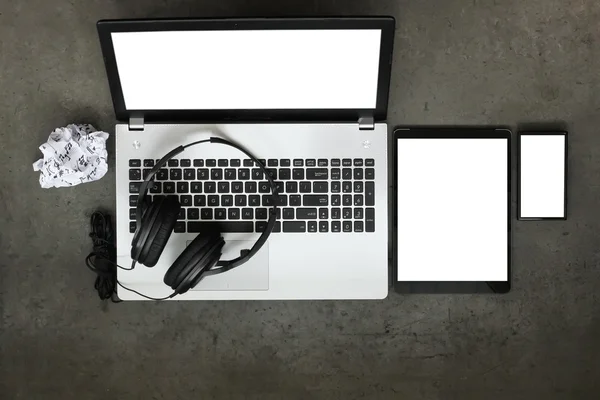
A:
{"points": [[542, 175]]}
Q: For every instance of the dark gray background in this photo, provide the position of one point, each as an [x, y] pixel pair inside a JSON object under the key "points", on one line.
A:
{"points": [[503, 62]]}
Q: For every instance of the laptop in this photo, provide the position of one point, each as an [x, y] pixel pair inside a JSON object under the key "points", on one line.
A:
{"points": [[308, 97]]}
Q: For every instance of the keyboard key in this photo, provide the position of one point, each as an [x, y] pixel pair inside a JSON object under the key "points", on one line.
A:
{"points": [[248, 163], [358, 173], [336, 227], [358, 162], [173, 163], [323, 213], [223, 187], [336, 174], [221, 226], [169, 187], [185, 163], [223, 163], [305, 187], [250, 187], [306, 213], [358, 200], [230, 174], [236, 162], [369, 194], [358, 213], [346, 162], [198, 163], [336, 187], [347, 199], [210, 187], [133, 200], [358, 187], [227, 200], [162, 175], [181, 215], [358, 226], [175, 174], [206, 213], [200, 200], [186, 200], [311, 162], [370, 220], [220, 213], [335, 162], [285, 162], [312, 226], [261, 213], [347, 187], [282, 200], [291, 187], [317, 173], [369, 162], [272, 162], [298, 163], [240, 200], [248, 213], [132, 213], [347, 213], [183, 187], [298, 174], [267, 200], [257, 174], [322, 162], [295, 200], [203, 174], [179, 227], [254, 200], [263, 162], [323, 226], [213, 200], [315, 200], [288, 213], [294, 226], [347, 226], [370, 173], [347, 174], [280, 187], [336, 213], [216, 174], [264, 187], [285, 174], [261, 226], [243, 174], [145, 173], [211, 163], [234, 213], [277, 227], [237, 187], [135, 174], [196, 187], [320, 187], [156, 187], [189, 174], [135, 163], [194, 213]]}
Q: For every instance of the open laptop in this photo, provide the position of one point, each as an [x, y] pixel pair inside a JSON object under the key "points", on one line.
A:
{"points": [[306, 96]]}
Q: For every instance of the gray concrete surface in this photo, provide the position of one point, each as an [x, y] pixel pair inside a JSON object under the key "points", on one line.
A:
{"points": [[502, 62]]}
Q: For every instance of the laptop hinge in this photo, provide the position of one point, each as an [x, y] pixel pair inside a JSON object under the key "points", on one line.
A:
{"points": [[136, 123], [366, 123]]}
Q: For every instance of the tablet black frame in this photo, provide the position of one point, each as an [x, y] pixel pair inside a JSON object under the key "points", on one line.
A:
{"points": [[449, 286], [379, 113], [541, 133]]}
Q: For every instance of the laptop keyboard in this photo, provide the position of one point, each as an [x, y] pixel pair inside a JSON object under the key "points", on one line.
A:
{"points": [[315, 195]]}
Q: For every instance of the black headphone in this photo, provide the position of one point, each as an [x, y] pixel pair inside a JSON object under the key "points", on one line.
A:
{"points": [[155, 221]]}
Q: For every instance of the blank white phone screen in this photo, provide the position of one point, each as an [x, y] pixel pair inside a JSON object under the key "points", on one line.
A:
{"points": [[452, 209], [252, 69], [542, 173]]}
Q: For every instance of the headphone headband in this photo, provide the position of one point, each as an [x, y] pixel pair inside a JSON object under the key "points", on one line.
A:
{"points": [[245, 254]]}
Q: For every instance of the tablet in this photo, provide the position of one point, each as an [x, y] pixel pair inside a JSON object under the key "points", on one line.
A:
{"points": [[452, 210]]}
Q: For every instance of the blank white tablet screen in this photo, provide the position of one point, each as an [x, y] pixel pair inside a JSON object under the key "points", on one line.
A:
{"points": [[542, 169], [452, 209]]}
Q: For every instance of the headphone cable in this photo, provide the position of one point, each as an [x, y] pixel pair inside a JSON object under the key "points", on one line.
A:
{"points": [[102, 260]]}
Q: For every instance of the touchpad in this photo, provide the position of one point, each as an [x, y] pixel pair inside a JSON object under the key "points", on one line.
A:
{"points": [[253, 275]]}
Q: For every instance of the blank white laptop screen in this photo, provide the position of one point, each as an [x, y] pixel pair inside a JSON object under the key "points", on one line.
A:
{"points": [[542, 176], [452, 209], [252, 69]]}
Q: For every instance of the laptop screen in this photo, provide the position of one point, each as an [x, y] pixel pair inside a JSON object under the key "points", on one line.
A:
{"points": [[248, 69]]}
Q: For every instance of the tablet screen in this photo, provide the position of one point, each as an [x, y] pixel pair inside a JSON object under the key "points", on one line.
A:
{"points": [[452, 209]]}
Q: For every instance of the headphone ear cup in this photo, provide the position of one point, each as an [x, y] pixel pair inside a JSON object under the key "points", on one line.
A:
{"points": [[159, 220]]}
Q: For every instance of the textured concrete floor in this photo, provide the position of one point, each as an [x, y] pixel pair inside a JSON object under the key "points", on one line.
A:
{"points": [[503, 62]]}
